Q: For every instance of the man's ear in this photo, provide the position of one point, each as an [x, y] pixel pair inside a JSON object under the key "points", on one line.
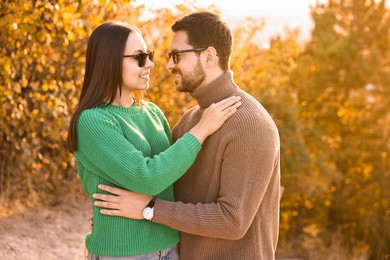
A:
{"points": [[211, 57]]}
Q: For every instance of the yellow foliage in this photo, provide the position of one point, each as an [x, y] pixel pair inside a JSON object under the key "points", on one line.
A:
{"points": [[334, 132], [34, 113]]}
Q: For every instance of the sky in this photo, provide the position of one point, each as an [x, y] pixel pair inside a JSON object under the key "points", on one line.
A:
{"points": [[277, 14]]}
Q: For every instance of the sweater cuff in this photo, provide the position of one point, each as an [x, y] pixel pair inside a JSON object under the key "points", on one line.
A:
{"points": [[192, 140], [162, 211]]}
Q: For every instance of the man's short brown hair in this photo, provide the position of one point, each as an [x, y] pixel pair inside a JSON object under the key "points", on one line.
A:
{"points": [[205, 29]]}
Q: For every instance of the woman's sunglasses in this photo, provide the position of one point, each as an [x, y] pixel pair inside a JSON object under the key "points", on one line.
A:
{"points": [[142, 57]]}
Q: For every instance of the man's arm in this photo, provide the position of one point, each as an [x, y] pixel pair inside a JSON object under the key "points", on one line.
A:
{"points": [[122, 203], [248, 184], [243, 183]]}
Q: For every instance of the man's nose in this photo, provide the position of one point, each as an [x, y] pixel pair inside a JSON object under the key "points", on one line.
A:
{"points": [[170, 65]]}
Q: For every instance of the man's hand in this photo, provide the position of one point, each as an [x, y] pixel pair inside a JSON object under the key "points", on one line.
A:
{"points": [[122, 203]]}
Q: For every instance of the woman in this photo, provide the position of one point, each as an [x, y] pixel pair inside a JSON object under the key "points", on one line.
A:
{"points": [[118, 139]]}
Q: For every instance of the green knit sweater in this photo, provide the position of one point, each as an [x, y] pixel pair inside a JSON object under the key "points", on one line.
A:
{"points": [[130, 148]]}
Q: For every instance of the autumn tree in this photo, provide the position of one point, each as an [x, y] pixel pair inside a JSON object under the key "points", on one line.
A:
{"points": [[329, 99], [42, 45], [343, 85]]}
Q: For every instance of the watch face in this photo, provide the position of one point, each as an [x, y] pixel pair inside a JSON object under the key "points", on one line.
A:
{"points": [[148, 213]]}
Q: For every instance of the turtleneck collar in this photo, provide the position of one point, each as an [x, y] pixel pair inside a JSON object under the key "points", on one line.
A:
{"points": [[216, 90]]}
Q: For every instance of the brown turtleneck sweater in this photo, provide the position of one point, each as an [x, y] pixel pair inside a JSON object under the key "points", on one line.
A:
{"points": [[228, 201]]}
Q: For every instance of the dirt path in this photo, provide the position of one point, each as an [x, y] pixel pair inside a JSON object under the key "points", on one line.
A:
{"points": [[46, 233]]}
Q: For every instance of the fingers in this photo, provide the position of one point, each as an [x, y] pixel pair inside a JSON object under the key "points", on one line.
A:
{"points": [[110, 212], [227, 102], [226, 112], [106, 197], [230, 111], [235, 106], [110, 189], [107, 205]]}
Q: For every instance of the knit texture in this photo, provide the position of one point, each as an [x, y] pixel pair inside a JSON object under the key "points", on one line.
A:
{"points": [[229, 199], [130, 148]]}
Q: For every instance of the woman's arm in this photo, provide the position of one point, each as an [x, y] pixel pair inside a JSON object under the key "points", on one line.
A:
{"points": [[107, 153]]}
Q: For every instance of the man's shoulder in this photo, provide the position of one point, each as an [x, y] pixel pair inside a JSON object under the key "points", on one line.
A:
{"points": [[185, 120], [251, 107], [252, 114], [190, 112]]}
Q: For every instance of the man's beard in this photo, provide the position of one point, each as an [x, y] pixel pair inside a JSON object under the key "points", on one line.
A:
{"points": [[192, 80]]}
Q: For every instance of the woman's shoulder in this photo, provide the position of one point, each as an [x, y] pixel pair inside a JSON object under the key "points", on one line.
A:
{"points": [[152, 106], [149, 104], [95, 114]]}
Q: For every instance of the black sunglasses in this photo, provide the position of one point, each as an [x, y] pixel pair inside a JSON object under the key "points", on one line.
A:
{"points": [[141, 58], [175, 56]]}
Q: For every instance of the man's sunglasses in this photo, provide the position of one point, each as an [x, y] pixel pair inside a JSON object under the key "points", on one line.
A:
{"points": [[142, 57], [175, 54]]}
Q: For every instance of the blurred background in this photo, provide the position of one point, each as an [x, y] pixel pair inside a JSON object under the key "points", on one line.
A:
{"points": [[321, 68]]}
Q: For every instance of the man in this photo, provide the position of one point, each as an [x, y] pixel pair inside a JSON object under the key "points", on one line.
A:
{"points": [[228, 201]]}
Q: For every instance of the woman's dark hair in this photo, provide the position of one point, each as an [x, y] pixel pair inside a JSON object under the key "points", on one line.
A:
{"points": [[103, 70], [205, 29]]}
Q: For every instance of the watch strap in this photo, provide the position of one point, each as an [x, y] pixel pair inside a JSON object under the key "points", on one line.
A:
{"points": [[151, 203]]}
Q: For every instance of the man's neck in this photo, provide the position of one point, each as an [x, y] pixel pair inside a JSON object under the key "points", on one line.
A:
{"points": [[211, 76], [216, 90]]}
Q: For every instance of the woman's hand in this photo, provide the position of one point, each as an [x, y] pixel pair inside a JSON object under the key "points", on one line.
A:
{"points": [[122, 203], [214, 117]]}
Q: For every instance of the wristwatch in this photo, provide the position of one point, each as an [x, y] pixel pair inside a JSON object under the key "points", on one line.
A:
{"points": [[148, 212]]}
